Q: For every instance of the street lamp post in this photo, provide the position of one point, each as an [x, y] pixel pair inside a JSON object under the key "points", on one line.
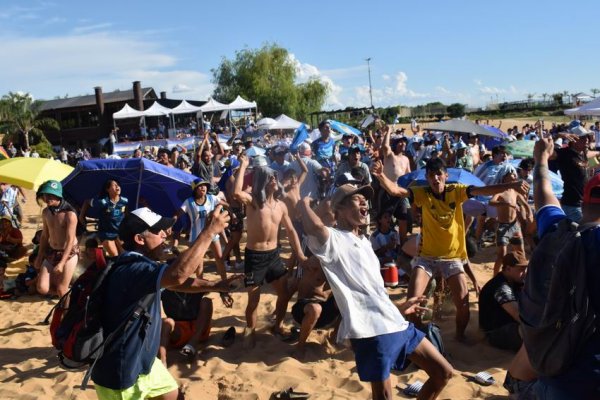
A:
{"points": [[370, 88]]}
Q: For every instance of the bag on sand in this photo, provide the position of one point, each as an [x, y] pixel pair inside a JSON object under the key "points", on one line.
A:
{"points": [[556, 317], [76, 326]]}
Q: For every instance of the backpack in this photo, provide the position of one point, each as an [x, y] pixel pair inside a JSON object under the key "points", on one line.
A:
{"points": [[76, 331], [556, 317]]}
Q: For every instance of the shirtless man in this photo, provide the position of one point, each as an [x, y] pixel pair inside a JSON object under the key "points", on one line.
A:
{"points": [[236, 226], [291, 185], [508, 203], [395, 164], [59, 251], [265, 213]]}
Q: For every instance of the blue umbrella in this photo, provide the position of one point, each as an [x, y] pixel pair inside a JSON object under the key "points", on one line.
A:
{"points": [[255, 151], [555, 180], [143, 182], [344, 128], [455, 175]]}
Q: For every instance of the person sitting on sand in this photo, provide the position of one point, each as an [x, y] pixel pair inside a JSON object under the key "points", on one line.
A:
{"points": [[508, 204], [59, 251], [442, 248], [187, 322], [381, 338], [11, 239], [498, 303], [262, 263]]}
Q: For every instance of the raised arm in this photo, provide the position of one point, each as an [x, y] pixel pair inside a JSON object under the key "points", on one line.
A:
{"points": [[216, 139], [386, 150], [312, 224], [542, 187], [303, 168], [391, 187], [238, 192]]}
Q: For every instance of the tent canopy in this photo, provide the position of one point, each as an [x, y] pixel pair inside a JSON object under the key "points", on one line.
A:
{"points": [[212, 105], [156, 110], [461, 126], [285, 122], [265, 123], [241, 104], [592, 108], [185, 108], [127, 112]]}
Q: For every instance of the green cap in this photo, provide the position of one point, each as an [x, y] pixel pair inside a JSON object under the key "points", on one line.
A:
{"points": [[51, 187]]}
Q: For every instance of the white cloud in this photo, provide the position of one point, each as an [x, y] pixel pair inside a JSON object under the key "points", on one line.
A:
{"points": [[90, 28], [442, 90], [386, 77], [491, 90], [478, 82], [305, 71]]}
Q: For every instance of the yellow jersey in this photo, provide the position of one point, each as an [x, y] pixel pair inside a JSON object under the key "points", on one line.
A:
{"points": [[443, 231]]}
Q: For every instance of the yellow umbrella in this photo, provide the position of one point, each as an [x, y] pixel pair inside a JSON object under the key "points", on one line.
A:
{"points": [[30, 173]]}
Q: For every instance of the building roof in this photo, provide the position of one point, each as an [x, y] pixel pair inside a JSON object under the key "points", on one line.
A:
{"points": [[90, 99]]}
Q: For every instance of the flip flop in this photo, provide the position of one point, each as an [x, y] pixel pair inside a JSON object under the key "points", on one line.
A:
{"points": [[188, 350], [228, 337], [413, 389], [290, 394], [483, 378]]}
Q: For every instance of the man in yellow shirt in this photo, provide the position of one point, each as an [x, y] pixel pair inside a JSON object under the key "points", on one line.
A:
{"points": [[442, 249]]}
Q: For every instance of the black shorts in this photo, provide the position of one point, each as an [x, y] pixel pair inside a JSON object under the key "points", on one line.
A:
{"points": [[329, 311], [261, 266]]}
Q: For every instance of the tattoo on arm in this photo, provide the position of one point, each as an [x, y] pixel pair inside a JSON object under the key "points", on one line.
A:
{"points": [[540, 172]]}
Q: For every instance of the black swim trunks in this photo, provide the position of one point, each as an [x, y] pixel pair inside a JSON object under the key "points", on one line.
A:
{"points": [[261, 266], [329, 311]]}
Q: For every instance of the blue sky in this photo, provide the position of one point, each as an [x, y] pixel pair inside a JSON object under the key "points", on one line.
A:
{"points": [[472, 52]]}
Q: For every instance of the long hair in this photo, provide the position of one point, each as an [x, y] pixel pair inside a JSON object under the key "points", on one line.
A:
{"points": [[259, 183]]}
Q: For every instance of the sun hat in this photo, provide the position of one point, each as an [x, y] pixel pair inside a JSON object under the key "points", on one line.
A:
{"points": [[515, 259], [199, 181], [141, 220], [51, 187], [348, 190]]}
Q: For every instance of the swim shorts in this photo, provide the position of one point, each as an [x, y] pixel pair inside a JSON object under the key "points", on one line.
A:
{"points": [[437, 266], [54, 256], [507, 231], [261, 266], [187, 329], [329, 311]]}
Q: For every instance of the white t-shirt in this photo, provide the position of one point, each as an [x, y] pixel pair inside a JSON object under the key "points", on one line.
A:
{"points": [[352, 270]]}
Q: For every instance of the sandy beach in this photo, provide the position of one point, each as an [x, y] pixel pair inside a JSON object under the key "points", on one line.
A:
{"points": [[30, 368]]}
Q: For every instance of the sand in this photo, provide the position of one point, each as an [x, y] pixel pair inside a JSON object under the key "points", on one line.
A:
{"points": [[30, 368]]}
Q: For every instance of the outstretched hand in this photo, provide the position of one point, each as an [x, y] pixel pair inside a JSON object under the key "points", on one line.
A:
{"points": [[412, 306], [377, 169], [521, 186], [219, 220], [244, 160]]}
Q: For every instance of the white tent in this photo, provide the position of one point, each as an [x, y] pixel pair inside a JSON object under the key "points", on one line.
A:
{"points": [[156, 110], [212, 105], [241, 104], [186, 108], [591, 108], [127, 112], [265, 123], [285, 122]]}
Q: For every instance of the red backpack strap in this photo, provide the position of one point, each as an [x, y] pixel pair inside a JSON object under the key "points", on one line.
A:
{"points": [[100, 259]]}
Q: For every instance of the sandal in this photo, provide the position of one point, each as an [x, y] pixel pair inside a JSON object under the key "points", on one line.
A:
{"points": [[228, 337], [483, 378], [413, 389], [290, 394], [188, 350]]}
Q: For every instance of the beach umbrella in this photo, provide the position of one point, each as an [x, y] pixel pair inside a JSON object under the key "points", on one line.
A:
{"points": [[455, 175], [462, 126], [344, 128], [521, 148], [143, 182], [30, 173]]}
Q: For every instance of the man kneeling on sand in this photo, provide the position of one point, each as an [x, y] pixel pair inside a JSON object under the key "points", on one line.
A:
{"points": [[381, 338]]}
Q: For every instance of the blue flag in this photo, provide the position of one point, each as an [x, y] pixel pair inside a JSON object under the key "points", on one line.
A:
{"points": [[300, 136]]}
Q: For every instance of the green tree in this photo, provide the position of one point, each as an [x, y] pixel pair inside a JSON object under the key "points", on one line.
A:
{"points": [[267, 75], [456, 110], [595, 91], [20, 118]]}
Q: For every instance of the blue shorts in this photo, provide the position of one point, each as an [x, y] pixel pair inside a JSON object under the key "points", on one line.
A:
{"points": [[377, 356]]}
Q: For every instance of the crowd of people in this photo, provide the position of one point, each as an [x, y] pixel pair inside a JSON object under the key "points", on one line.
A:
{"points": [[345, 216]]}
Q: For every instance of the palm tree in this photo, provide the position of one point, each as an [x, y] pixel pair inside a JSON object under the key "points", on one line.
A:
{"points": [[595, 91], [544, 96], [20, 115]]}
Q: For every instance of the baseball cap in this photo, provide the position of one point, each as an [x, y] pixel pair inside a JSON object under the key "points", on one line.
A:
{"points": [[259, 161], [51, 187], [348, 190], [515, 259], [591, 190], [143, 219], [199, 181]]}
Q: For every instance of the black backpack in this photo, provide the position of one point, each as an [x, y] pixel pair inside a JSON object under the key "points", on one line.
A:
{"points": [[77, 331], [556, 317]]}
